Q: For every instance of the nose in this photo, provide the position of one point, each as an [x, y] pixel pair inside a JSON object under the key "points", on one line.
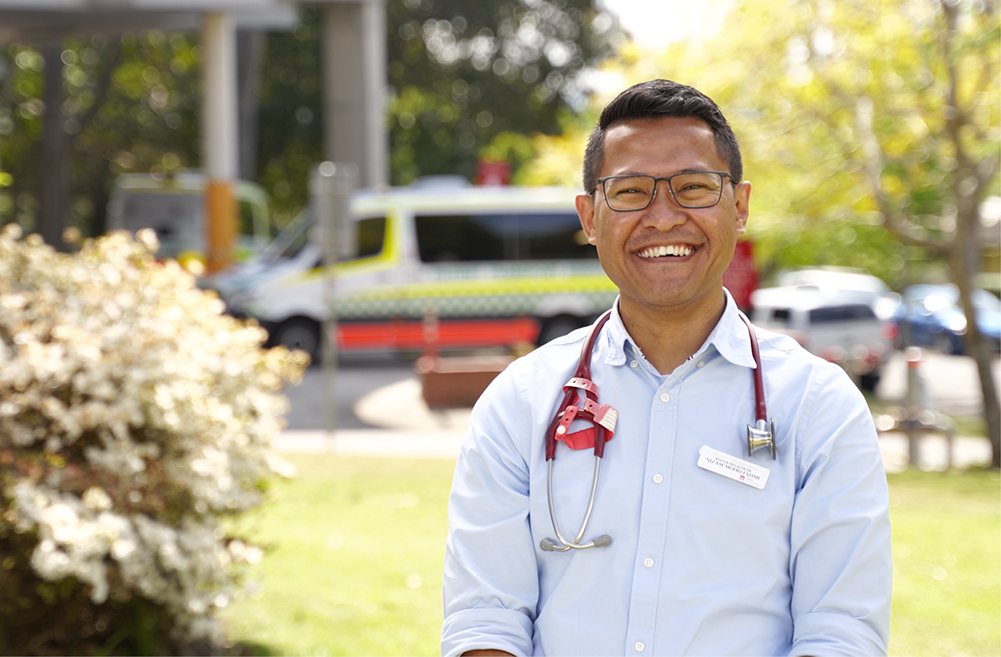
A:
{"points": [[664, 213]]}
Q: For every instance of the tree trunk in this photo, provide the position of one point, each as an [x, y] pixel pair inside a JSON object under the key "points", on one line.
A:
{"points": [[249, 44], [992, 408], [965, 257], [54, 185]]}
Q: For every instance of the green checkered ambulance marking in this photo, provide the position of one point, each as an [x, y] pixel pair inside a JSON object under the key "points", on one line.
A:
{"points": [[475, 298]]}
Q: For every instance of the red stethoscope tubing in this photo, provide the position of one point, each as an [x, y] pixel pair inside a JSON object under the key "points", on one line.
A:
{"points": [[760, 412], [604, 418]]}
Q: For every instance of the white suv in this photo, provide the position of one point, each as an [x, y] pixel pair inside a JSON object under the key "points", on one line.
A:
{"points": [[832, 324]]}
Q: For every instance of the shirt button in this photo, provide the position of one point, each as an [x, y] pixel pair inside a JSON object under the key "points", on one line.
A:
{"points": [[633, 364], [640, 646], [658, 478], [701, 363], [665, 398], [648, 562]]}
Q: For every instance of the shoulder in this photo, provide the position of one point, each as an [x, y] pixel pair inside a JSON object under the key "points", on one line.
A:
{"points": [[535, 378], [540, 368], [789, 366]]}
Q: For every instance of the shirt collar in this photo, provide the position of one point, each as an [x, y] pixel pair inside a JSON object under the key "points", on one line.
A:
{"points": [[729, 337], [618, 338]]}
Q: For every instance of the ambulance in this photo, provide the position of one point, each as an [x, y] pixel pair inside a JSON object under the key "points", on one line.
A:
{"points": [[438, 266], [174, 207]]}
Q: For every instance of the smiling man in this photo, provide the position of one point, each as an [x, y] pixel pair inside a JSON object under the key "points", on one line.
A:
{"points": [[667, 482]]}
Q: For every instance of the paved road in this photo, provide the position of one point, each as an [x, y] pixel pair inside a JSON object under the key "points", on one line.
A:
{"points": [[950, 386], [380, 411], [950, 383], [354, 379]]}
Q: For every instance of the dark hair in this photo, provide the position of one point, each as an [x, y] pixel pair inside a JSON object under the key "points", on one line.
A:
{"points": [[657, 99]]}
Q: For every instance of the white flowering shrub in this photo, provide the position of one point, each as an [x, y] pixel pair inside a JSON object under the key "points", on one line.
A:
{"points": [[134, 417]]}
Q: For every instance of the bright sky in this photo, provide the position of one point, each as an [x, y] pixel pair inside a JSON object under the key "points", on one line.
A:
{"points": [[655, 23]]}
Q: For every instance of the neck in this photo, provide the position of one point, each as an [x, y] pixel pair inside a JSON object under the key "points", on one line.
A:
{"points": [[669, 336]]}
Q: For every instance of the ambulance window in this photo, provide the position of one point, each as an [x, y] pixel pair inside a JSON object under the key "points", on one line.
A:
{"points": [[246, 212], [552, 236], [479, 237], [462, 238], [371, 234], [828, 314]]}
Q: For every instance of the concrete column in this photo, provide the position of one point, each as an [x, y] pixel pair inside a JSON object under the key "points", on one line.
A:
{"points": [[219, 137], [354, 82]]}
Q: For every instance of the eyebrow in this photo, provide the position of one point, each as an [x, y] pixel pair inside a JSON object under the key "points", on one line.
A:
{"points": [[640, 173]]}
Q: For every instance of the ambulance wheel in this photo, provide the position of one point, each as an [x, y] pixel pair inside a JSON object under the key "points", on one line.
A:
{"points": [[869, 381], [301, 333], [556, 327]]}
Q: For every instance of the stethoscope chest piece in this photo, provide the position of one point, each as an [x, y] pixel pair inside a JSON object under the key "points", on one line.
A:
{"points": [[762, 435]]}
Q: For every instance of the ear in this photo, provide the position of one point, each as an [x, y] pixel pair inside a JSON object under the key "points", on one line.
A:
{"points": [[585, 211], [742, 200]]}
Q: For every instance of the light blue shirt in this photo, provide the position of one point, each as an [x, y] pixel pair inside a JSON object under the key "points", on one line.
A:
{"points": [[699, 564]]}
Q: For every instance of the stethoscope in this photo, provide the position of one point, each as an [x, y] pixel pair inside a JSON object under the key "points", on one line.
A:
{"points": [[604, 417]]}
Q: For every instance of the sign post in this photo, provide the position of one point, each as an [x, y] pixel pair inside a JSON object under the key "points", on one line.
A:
{"points": [[331, 186]]}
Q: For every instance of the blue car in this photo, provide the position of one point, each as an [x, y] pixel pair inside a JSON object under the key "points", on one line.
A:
{"points": [[936, 320]]}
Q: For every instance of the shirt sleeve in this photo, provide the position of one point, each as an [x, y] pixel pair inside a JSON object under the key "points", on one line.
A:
{"points": [[841, 565], [491, 585]]}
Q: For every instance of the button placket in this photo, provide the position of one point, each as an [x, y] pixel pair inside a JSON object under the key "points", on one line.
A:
{"points": [[652, 535]]}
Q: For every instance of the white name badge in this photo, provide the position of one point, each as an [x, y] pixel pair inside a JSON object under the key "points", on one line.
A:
{"points": [[731, 467]]}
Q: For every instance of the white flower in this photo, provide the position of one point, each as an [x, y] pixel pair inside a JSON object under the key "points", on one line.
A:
{"points": [[96, 499], [170, 399]]}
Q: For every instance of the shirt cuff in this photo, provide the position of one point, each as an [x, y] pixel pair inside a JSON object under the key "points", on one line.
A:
{"points": [[820, 633], [472, 629]]}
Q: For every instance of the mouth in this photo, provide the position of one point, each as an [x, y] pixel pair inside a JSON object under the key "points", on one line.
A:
{"points": [[667, 251]]}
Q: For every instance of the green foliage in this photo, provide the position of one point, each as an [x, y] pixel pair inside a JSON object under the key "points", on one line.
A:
{"points": [[465, 73], [290, 115], [819, 72], [143, 118], [468, 80]]}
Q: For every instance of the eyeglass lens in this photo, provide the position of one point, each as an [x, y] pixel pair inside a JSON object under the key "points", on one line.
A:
{"points": [[700, 189]]}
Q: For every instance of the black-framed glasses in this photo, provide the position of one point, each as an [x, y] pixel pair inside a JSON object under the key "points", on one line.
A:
{"points": [[692, 189]]}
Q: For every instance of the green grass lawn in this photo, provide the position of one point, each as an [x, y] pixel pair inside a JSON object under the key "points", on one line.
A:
{"points": [[946, 563], [355, 545]]}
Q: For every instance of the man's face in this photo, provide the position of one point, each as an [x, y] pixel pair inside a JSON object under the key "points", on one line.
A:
{"points": [[698, 243]]}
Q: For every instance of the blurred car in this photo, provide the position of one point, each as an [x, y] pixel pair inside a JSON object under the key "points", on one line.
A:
{"points": [[934, 317], [848, 283], [839, 326]]}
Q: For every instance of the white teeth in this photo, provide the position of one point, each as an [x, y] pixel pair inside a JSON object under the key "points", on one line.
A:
{"points": [[672, 250]]}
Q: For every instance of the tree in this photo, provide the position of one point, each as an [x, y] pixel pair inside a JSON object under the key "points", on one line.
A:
{"points": [[898, 102], [468, 80], [129, 105], [476, 79], [290, 114]]}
